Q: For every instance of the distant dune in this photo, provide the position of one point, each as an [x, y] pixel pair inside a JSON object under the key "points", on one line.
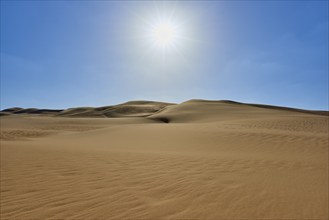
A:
{"points": [[128, 109], [153, 160]]}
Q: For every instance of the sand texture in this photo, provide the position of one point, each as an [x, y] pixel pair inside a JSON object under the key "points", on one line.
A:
{"points": [[150, 160]]}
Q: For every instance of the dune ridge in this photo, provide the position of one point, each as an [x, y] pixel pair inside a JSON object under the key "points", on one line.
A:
{"points": [[137, 109]]}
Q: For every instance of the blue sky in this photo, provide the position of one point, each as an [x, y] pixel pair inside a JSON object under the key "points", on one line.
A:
{"points": [[60, 54]]}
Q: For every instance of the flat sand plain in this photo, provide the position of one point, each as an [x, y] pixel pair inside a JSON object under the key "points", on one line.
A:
{"points": [[196, 160]]}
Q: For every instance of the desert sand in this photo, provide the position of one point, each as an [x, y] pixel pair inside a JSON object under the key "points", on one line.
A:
{"points": [[150, 160]]}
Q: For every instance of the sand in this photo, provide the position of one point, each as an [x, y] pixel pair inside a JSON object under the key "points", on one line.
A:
{"points": [[195, 160]]}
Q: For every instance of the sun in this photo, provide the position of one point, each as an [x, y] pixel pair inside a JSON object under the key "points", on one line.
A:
{"points": [[164, 34], [164, 29]]}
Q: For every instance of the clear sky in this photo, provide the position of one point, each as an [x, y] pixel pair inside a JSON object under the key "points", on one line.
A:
{"points": [[60, 54]]}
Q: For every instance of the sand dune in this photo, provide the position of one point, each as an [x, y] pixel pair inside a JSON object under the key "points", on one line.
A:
{"points": [[150, 160], [210, 111]]}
